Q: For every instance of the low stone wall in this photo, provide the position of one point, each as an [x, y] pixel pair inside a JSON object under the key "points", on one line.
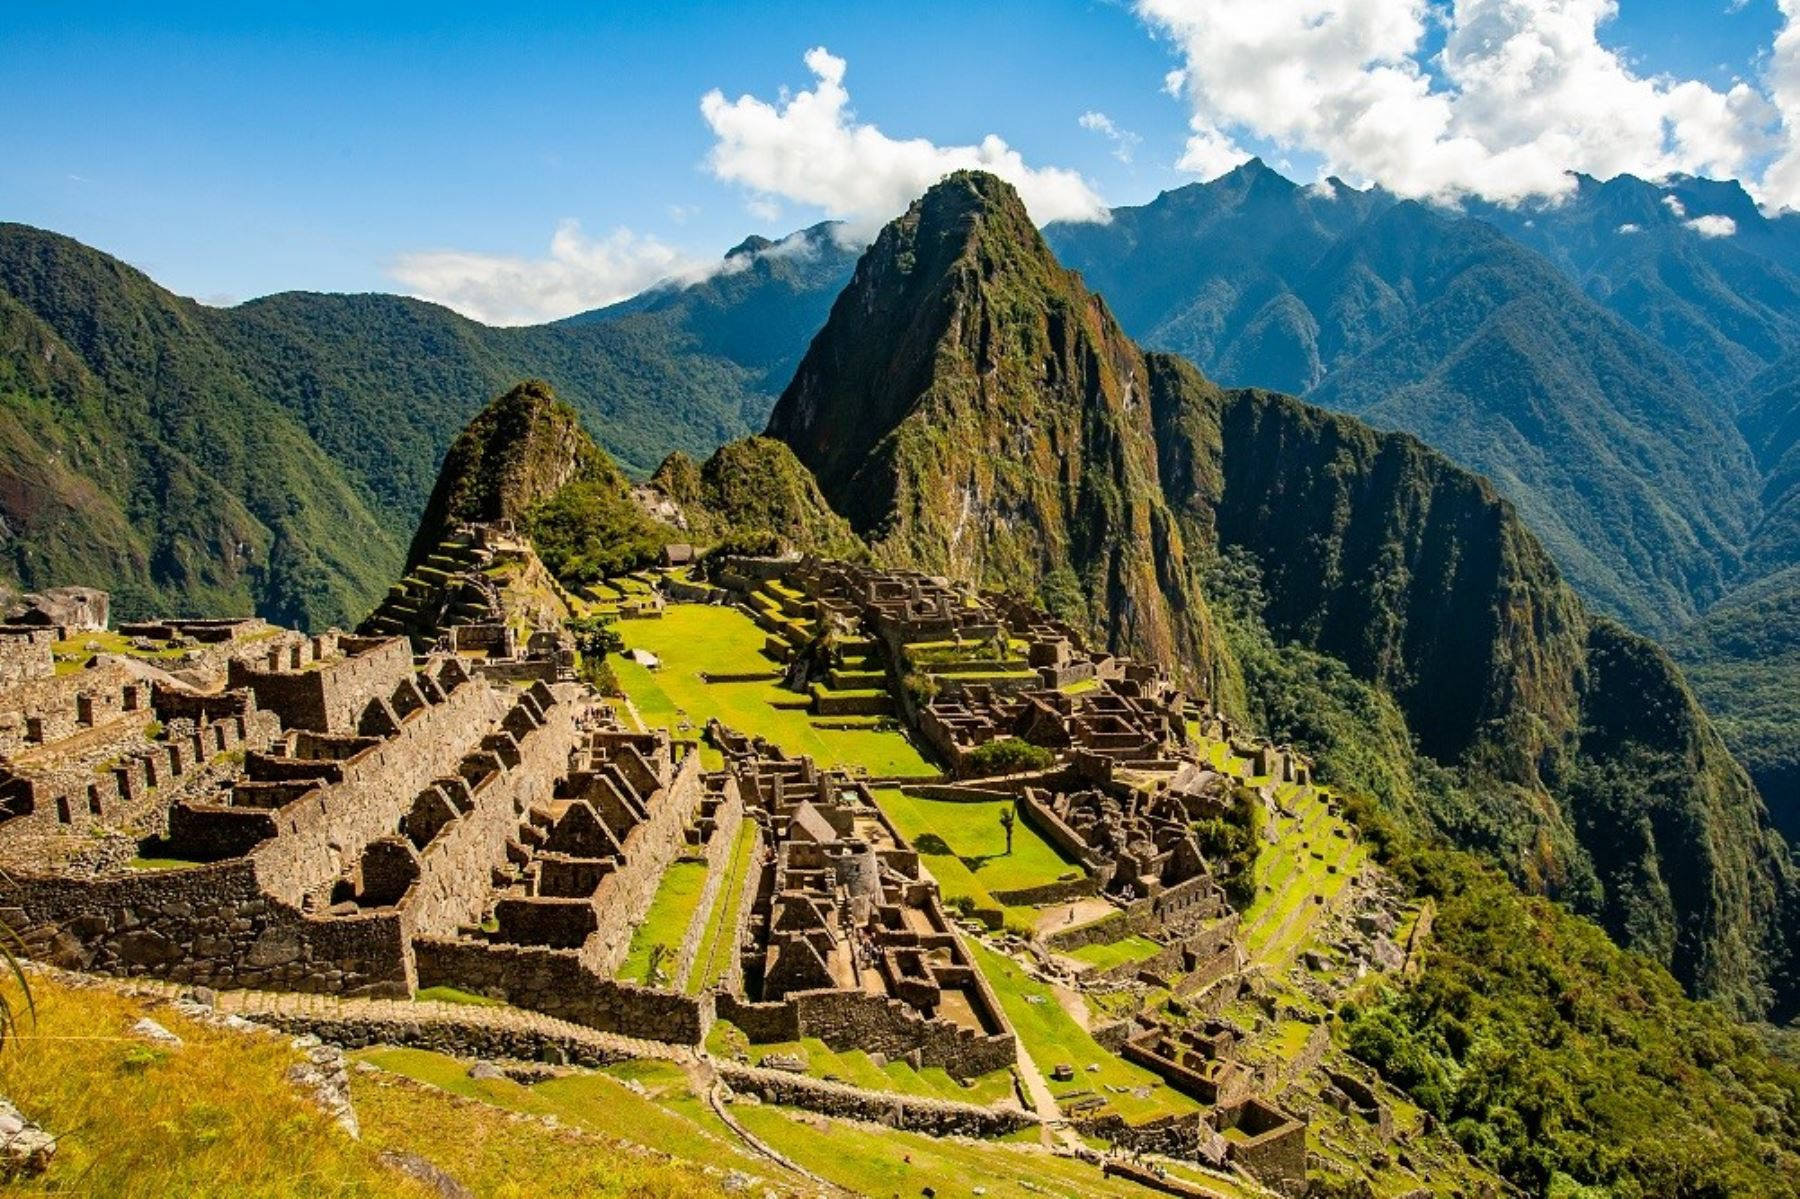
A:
{"points": [[1060, 891], [829, 703], [557, 983], [470, 1038], [762, 1023], [208, 925], [852, 1020], [1145, 1176], [912, 1113]]}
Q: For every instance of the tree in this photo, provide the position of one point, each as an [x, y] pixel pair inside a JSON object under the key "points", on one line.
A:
{"points": [[1007, 820]]}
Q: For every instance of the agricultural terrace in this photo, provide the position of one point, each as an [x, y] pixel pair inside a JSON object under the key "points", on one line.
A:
{"points": [[857, 1068], [1053, 1037], [694, 640]]}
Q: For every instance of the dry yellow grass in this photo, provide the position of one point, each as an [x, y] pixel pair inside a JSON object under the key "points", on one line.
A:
{"points": [[217, 1116]]}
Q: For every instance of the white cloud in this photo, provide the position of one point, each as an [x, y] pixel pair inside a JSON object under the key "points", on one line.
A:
{"points": [[1675, 206], [1713, 226], [1124, 141], [1521, 92], [1629, 228], [1781, 182], [580, 273], [809, 148]]}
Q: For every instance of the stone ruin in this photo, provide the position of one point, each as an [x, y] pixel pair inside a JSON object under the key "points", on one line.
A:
{"points": [[336, 814], [453, 603], [844, 938]]}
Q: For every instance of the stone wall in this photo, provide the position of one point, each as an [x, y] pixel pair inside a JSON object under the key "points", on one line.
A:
{"points": [[728, 817], [321, 835], [25, 653], [210, 925], [329, 696], [457, 864], [762, 1023], [467, 1036], [624, 895], [557, 983], [847, 1020], [912, 1113]]}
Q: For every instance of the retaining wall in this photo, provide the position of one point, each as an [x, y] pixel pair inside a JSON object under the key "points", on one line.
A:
{"points": [[913, 1113], [557, 983]]}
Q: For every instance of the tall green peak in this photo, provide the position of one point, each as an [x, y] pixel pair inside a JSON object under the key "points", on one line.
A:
{"points": [[519, 451], [975, 411]]}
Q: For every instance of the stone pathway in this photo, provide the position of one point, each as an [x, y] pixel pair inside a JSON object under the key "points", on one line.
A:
{"points": [[1043, 1102]]}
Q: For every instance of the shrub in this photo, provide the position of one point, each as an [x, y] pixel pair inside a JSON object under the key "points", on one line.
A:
{"points": [[1008, 755]]}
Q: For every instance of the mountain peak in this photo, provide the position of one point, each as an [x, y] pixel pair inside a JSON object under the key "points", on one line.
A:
{"points": [[976, 412], [523, 447]]}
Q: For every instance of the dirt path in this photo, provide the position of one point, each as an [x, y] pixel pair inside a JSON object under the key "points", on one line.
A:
{"points": [[1067, 915]]}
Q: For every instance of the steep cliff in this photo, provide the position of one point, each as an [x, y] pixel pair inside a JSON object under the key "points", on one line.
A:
{"points": [[1596, 774], [974, 410]]}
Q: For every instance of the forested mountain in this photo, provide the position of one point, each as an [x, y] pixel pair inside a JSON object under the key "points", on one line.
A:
{"points": [[1625, 380], [1420, 319], [971, 408], [277, 455], [1620, 362], [1559, 742]]}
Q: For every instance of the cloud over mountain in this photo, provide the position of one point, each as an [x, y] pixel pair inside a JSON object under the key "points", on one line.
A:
{"points": [[1495, 98], [809, 148], [579, 273]]}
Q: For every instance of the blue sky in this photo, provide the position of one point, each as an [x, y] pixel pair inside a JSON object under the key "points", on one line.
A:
{"points": [[232, 151]]}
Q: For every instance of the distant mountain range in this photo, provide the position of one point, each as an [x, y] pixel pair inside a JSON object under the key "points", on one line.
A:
{"points": [[278, 454], [1626, 380]]}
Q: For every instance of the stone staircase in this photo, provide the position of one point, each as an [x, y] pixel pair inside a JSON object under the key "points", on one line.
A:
{"points": [[448, 588]]}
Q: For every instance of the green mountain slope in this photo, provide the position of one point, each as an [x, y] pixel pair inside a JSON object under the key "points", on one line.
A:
{"points": [[208, 460], [754, 492], [1428, 321], [144, 459], [1726, 306], [1560, 743], [972, 409]]}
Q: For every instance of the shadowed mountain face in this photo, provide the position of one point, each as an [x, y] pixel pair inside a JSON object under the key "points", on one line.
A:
{"points": [[974, 411], [1417, 318]]}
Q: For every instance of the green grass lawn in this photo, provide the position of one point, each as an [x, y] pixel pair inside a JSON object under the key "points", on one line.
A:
{"points": [[718, 943], [1051, 1036], [972, 832], [1105, 957], [859, 1069], [595, 1100], [886, 1161], [692, 638], [666, 923], [455, 995]]}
